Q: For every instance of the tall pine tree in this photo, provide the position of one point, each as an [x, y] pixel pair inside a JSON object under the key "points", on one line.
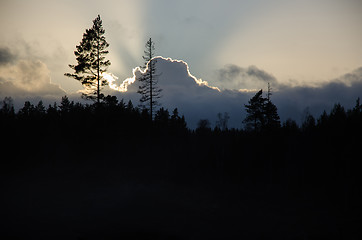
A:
{"points": [[148, 89], [91, 61]]}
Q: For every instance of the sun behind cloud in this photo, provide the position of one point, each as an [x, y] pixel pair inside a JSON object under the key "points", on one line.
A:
{"points": [[123, 87]]}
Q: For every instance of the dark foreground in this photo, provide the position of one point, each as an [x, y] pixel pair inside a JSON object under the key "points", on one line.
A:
{"points": [[108, 174], [187, 191]]}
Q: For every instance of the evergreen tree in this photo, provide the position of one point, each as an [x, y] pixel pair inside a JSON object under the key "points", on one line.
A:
{"points": [[358, 107], [356, 117], [271, 115], [91, 62], [177, 122], [111, 101], [337, 119], [338, 114], [272, 119], [40, 109], [255, 118], [65, 105], [175, 117], [322, 121], [262, 114], [290, 126], [355, 114], [130, 106], [148, 89], [162, 117], [308, 121], [52, 111], [27, 110]]}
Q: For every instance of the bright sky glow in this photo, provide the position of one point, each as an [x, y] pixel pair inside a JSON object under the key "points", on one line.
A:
{"points": [[111, 79], [300, 42], [123, 87]]}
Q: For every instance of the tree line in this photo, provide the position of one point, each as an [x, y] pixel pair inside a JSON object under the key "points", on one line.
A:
{"points": [[266, 151], [109, 114], [318, 161], [261, 118]]}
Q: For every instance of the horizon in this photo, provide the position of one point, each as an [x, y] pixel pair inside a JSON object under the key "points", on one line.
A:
{"points": [[188, 88]]}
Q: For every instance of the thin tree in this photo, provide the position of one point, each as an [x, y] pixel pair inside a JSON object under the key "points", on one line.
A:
{"points": [[148, 89], [308, 121], [222, 122], [272, 119], [269, 93], [91, 61]]}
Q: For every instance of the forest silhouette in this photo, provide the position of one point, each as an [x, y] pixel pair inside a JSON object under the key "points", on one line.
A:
{"points": [[107, 171]]}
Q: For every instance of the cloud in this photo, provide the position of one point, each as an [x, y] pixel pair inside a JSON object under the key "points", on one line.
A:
{"points": [[234, 77], [25, 77], [6, 56], [196, 99], [351, 78], [291, 101], [172, 74]]}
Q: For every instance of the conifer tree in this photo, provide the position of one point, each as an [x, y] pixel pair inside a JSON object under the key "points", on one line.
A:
{"points": [[262, 114], [65, 105], [177, 123], [162, 117], [272, 119], [148, 89], [255, 118], [91, 61], [27, 110], [39, 108], [308, 123]]}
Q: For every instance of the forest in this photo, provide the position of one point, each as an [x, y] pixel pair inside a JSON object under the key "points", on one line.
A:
{"points": [[109, 171]]}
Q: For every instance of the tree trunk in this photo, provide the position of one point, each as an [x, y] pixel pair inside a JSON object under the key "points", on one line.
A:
{"points": [[98, 72], [151, 70]]}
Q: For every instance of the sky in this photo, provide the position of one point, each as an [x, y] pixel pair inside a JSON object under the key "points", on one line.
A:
{"points": [[310, 51]]}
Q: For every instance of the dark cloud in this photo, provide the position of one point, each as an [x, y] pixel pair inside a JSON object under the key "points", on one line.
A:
{"points": [[6, 56], [234, 77], [291, 101], [259, 74], [181, 90], [192, 96]]}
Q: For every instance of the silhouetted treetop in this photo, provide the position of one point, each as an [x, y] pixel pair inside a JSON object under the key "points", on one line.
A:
{"points": [[149, 89], [255, 109], [262, 114], [91, 61]]}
